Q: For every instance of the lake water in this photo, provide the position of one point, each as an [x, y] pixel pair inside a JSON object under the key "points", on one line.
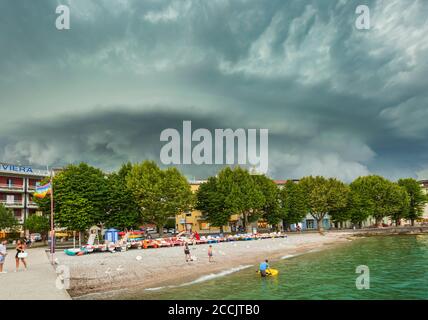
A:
{"points": [[398, 268]]}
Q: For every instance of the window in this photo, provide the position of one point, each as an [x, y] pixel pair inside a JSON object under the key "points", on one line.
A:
{"points": [[310, 224], [10, 199], [204, 226], [9, 182], [188, 214]]}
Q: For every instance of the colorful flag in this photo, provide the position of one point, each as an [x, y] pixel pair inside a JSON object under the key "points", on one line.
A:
{"points": [[42, 190]]}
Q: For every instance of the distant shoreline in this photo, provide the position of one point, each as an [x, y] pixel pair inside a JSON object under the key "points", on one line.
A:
{"points": [[391, 230]]}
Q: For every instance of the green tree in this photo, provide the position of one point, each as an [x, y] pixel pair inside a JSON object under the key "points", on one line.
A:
{"points": [[122, 209], [210, 200], [178, 196], [244, 196], [292, 203], [417, 199], [323, 196], [161, 194], [38, 224], [401, 202], [76, 214], [358, 207], [339, 217], [270, 209], [376, 196], [83, 184], [7, 219]]}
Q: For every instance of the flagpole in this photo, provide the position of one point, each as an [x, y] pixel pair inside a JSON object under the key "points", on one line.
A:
{"points": [[52, 221]]}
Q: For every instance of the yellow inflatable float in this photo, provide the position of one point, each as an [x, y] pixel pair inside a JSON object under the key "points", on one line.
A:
{"points": [[270, 272]]}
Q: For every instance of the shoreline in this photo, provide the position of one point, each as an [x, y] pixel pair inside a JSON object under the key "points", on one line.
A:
{"points": [[104, 275]]}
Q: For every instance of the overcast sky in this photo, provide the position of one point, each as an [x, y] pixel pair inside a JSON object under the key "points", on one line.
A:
{"points": [[337, 101]]}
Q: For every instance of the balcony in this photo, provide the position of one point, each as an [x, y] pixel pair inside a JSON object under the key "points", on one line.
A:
{"points": [[11, 187], [13, 204], [32, 205]]}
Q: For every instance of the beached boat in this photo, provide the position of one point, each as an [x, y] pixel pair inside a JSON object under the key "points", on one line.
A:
{"points": [[75, 251], [149, 243]]}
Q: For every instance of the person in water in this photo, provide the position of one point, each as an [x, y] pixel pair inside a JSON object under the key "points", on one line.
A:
{"points": [[263, 267]]}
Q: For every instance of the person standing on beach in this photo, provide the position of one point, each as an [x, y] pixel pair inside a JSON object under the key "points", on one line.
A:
{"points": [[210, 253], [3, 254], [20, 249], [187, 252]]}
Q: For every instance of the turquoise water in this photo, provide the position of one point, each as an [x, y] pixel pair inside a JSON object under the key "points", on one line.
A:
{"points": [[398, 270]]}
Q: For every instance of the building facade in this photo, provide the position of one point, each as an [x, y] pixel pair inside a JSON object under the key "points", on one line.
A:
{"points": [[424, 186], [17, 186]]}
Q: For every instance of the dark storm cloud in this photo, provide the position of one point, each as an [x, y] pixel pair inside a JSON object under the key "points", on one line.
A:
{"points": [[113, 137], [106, 139], [337, 101]]}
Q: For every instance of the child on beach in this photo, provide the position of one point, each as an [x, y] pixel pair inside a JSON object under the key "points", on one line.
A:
{"points": [[187, 252], [210, 253]]}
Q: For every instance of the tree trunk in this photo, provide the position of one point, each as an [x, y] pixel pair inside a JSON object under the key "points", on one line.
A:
{"points": [[284, 225], [160, 230], [80, 239], [245, 222], [221, 229], [412, 222], [320, 226], [378, 222]]}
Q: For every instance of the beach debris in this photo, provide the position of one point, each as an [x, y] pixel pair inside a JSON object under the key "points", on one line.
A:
{"points": [[120, 268], [139, 258]]}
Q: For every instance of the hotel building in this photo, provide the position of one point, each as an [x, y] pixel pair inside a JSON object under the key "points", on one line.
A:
{"points": [[17, 186], [424, 186]]}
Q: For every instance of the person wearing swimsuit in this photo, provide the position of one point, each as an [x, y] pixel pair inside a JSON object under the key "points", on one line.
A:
{"points": [[20, 248], [210, 253], [187, 252]]}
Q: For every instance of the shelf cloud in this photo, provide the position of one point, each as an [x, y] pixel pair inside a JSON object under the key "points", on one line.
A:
{"points": [[337, 101]]}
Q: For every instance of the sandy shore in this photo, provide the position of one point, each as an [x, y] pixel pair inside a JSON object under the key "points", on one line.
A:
{"points": [[151, 268]]}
